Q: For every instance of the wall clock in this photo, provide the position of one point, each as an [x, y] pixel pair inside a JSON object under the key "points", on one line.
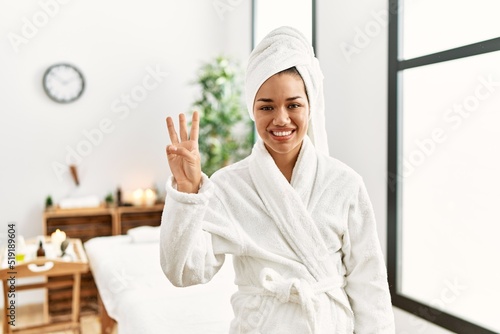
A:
{"points": [[63, 83]]}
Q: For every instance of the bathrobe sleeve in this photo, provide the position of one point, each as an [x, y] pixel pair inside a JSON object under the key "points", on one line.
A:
{"points": [[366, 286], [194, 236]]}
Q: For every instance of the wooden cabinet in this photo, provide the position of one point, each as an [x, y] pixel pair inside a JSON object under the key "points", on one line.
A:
{"points": [[129, 217], [86, 224]]}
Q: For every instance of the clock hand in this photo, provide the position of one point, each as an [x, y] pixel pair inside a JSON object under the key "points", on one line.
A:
{"points": [[59, 79]]}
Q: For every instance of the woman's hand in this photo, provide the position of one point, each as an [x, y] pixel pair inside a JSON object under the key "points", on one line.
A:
{"points": [[183, 155]]}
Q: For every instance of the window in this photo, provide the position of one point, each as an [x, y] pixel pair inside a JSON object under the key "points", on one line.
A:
{"points": [[271, 14], [444, 162]]}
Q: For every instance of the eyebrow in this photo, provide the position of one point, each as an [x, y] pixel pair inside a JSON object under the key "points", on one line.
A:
{"points": [[267, 100]]}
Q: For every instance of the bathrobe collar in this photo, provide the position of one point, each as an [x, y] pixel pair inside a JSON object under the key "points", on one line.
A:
{"points": [[287, 203]]}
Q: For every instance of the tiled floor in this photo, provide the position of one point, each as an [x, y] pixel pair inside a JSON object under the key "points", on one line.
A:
{"points": [[33, 315]]}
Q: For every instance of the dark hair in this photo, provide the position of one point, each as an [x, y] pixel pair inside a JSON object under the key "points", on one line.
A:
{"points": [[294, 72]]}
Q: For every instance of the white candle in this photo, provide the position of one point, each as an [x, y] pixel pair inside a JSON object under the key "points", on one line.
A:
{"points": [[138, 197], [56, 239], [149, 197]]}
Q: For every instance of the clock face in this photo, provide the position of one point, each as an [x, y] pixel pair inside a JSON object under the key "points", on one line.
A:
{"points": [[63, 83]]}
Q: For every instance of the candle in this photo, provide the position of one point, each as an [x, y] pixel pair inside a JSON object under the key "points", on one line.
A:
{"points": [[149, 197], [138, 197], [56, 239], [21, 249]]}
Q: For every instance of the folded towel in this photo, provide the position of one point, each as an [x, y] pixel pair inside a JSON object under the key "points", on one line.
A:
{"points": [[144, 234], [281, 49], [81, 202]]}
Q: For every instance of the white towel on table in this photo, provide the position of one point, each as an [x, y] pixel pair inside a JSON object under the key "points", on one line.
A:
{"points": [[143, 234], [80, 202]]}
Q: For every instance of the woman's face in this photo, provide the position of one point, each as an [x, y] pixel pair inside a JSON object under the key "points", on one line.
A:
{"points": [[281, 112]]}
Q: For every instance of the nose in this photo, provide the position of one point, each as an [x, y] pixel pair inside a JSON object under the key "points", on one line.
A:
{"points": [[281, 117]]}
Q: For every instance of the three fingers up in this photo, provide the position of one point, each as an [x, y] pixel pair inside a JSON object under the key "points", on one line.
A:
{"points": [[183, 154]]}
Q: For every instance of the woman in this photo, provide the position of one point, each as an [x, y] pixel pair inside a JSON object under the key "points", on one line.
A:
{"points": [[298, 223]]}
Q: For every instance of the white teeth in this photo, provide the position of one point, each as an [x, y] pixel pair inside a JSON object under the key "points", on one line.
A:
{"points": [[282, 133]]}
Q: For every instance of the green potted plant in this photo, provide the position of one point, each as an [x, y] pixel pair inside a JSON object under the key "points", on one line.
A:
{"points": [[49, 203], [226, 131], [109, 199]]}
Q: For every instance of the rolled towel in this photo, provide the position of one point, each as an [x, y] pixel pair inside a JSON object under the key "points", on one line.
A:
{"points": [[81, 202], [144, 234]]}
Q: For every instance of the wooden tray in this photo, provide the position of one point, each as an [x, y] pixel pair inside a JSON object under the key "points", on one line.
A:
{"points": [[48, 266]]}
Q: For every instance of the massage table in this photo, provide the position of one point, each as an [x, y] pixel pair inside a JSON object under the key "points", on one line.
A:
{"points": [[137, 297]]}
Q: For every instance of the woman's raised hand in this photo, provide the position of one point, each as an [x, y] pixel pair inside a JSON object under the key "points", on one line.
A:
{"points": [[183, 154]]}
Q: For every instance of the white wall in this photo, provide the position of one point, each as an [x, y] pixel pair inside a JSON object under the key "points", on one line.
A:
{"points": [[356, 100], [113, 43]]}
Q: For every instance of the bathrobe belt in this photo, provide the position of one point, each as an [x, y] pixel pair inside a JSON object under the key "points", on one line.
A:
{"points": [[294, 290]]}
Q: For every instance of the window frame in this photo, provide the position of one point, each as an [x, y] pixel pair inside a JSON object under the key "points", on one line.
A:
{"points": [[394, 220]]}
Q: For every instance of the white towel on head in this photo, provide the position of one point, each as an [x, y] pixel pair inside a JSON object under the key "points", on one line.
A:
{"points": [[281, 49]]}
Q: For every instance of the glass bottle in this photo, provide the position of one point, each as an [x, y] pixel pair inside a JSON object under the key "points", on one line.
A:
{"points": [[40, 252]]}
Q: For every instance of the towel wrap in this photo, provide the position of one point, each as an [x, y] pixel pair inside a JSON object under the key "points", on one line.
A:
{"points": [[294, 290], [281, 49]]}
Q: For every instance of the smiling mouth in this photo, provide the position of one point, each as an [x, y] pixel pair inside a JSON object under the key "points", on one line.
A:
{"points": [[281, 133]]}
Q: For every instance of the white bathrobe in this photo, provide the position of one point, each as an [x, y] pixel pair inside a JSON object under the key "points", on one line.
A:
{"points": [[306, 254]]}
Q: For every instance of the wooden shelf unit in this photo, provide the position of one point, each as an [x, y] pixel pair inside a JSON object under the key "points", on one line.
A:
{"points": [[86, 224]]}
